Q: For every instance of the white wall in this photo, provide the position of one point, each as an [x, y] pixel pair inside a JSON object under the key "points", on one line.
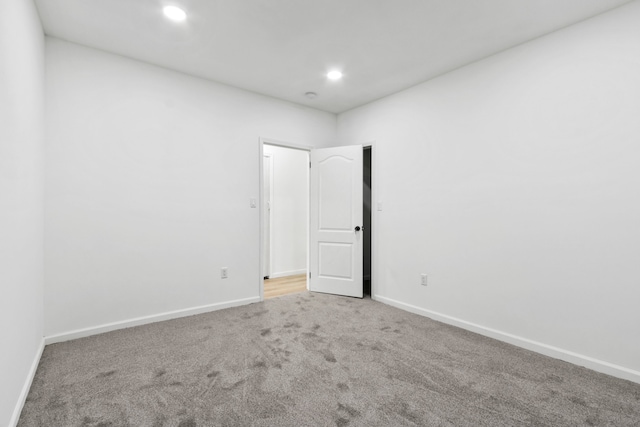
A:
{"points": [[21, 197], [148, 180], [289, 205], [514, 183]]}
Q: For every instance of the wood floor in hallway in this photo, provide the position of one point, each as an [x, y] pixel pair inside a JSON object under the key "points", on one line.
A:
{"points": [[285, 286]]}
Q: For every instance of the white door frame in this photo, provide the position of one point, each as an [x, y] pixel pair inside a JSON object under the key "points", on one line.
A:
{"points": [[375, 199], [267, 241]]}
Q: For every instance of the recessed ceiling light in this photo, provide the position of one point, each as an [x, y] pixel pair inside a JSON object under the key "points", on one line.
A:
{"points": [[174, 13], [311, 95], [334, 75]]}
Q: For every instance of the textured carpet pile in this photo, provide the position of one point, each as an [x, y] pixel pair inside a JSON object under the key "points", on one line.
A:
{"points": [[315, 360]]}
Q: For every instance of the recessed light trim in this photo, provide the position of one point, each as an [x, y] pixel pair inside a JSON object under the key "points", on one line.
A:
{"points": [[174, 13], [334, 75]]}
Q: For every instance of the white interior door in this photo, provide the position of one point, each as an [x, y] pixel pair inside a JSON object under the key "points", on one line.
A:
{"points": [[335, 214]]}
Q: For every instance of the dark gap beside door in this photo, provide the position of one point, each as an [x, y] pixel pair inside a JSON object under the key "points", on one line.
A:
{"points": [[366, 212]]}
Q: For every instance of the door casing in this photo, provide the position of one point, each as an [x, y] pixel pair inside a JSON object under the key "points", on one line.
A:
{"points": [[267, 182]]}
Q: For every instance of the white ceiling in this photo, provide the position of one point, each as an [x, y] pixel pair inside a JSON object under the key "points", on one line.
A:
{"points": [[284, 48]]}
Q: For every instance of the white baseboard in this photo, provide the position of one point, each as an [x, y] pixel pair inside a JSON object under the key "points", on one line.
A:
{"points": [[81, 333], [27, 386], [538, 347], [287, 273]]}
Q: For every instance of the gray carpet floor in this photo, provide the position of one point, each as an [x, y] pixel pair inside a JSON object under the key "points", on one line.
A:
{"points": [[315, 360]]}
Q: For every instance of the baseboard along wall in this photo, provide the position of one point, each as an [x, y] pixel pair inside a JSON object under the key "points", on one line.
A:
{"points": [[27, 385], [538, 347], [94, 330]]}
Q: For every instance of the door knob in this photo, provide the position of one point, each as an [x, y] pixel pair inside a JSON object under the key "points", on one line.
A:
{"points": [[357, 228]]}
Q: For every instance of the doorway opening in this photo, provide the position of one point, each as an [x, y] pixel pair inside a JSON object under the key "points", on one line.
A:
{"points": [[285, 218]]}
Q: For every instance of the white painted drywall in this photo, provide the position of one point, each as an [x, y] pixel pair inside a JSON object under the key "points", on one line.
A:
{"points": [[148, 181], [514, 183], [21, 200], [289, 206]]}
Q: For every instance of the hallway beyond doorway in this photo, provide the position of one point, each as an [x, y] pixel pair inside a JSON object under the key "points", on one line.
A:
{"points": [[285, 285]]}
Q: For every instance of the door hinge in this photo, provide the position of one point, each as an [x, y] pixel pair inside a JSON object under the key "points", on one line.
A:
{"points": [[309, 275], [309, 165]]}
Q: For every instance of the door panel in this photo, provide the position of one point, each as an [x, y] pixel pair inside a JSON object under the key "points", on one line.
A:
{"points": [[334, 194], [335, 250]]}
